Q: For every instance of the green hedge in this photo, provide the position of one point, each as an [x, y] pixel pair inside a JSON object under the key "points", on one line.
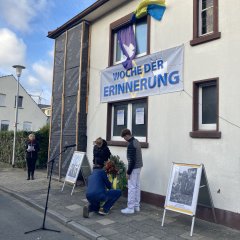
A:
{"points": [[6, 147]]}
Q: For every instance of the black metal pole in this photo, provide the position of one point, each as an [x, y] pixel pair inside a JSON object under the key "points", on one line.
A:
{"points": [[46, 205], [49, 186]]}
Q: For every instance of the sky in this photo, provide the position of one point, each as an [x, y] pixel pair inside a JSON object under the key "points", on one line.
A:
{"points": [[24, 25]]}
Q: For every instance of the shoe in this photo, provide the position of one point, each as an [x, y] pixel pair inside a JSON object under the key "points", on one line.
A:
{"points": [[85, 212], [28, 178], [137, 209], [103, 212], [33, 178], [127, 211]]}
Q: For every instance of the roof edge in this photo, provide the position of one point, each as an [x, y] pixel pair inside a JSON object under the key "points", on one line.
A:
{"points": [[21, 86], [75, 20], [6, 75]]}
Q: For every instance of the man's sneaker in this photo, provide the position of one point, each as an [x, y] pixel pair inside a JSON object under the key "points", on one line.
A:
{"points": [[85, 212], [137, 209], [127, 211], [103, 212]]}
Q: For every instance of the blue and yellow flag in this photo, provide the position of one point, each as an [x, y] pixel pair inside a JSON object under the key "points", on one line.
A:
{"points": [[154, 8]]}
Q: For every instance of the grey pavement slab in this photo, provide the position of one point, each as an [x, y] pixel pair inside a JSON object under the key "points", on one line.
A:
{"points": [[67, 209]]}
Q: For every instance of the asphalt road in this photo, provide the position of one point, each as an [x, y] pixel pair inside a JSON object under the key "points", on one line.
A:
{"points": [[17, 218]]}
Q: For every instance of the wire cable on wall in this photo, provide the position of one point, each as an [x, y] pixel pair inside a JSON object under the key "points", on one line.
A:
{"points": [[224, 119]]}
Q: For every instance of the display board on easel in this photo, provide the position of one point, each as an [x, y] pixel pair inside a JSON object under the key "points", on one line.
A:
{"points": [[79, 165], [184, 194]]}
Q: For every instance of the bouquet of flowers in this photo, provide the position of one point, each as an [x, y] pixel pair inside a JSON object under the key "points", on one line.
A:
{"points": [[116, 170]]}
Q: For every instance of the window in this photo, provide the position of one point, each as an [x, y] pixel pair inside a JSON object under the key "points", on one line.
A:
{"points": [[27, 126], [142, 33], [118, 55], [48, 112], [205, 109], [205, 21], [140, 30], [2, 100], [141, 36], [208, 106], [4, 125], [132, 115], [20, 101]]}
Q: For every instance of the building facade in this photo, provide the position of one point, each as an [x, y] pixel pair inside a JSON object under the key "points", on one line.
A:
{"points": [[198, 124], [30, 116], [46, 109]]}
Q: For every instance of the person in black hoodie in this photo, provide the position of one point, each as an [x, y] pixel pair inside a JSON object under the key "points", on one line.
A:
{"points": [[32, 149], [101, 152]]}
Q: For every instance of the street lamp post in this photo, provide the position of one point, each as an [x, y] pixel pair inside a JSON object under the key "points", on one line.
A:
{"points": [[19, 69]]}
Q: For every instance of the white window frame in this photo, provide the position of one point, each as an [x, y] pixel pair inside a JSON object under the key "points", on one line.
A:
{"points": [[129, 124], [19, 97], [3, 100], [202, 126], [29, 124], [200, 18], [5, 122], [48, 112], [123, 56]]}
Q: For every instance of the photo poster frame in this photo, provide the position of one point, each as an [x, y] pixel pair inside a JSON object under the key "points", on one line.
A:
{"points": [[183, 190], [79, 163]]}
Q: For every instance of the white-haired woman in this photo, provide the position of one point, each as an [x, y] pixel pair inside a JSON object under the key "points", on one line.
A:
{"points": [[32, 149]]}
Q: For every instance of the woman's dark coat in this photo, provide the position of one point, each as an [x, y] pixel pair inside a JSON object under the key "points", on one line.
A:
{"points": [[32, 154], [101, 154]]}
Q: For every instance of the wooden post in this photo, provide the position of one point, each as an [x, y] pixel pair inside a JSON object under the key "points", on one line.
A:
{"points": [[63, 107]]}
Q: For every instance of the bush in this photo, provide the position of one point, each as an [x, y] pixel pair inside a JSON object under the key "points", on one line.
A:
{"points": [[42, 137], [6, 147]]}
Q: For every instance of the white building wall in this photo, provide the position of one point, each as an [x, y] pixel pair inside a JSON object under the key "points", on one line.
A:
{"points": [[170, 115], [30, 112]]}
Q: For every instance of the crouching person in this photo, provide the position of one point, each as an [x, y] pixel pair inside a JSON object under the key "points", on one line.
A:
{"points": [[97, 192]]}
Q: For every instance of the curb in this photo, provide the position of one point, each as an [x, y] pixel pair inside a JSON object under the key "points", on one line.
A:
{"points": [[56, 216], [84, 230]]}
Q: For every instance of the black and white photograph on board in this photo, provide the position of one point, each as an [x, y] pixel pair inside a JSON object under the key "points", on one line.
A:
{"points": [[183, 188], [74, 166]]}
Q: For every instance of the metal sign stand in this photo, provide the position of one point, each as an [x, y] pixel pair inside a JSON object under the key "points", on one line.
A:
{"points": [[85, 170], [192, 225], [204, 199]]}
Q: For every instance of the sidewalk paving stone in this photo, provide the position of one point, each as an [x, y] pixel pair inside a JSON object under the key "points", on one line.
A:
{"points": [[67, 208]]}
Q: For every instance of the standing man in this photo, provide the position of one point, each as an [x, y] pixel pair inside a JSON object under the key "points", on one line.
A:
{"points": [[134, 157]]}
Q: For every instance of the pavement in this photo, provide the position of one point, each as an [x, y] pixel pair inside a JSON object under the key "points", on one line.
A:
{"points": [[67, 209]]}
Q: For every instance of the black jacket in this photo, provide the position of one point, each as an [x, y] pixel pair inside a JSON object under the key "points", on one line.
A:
{"points": [[32, 149], [134, 155], [101, 155]]}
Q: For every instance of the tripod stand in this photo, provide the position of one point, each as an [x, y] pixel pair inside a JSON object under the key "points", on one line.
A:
{"points": [[46, 205]]}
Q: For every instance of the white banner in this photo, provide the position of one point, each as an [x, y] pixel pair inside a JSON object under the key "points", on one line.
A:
{"points": [[153, 74]]}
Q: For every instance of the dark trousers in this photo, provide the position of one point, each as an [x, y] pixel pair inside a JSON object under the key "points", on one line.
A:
{"points": [[31, 163], [110, 198]]}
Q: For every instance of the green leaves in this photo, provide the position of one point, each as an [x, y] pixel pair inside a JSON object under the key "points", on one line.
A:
{"points": [[117, 169], [6, 147]]}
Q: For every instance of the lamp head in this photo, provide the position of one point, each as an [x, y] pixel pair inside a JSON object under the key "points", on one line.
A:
{"points": [[19, 69]]}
